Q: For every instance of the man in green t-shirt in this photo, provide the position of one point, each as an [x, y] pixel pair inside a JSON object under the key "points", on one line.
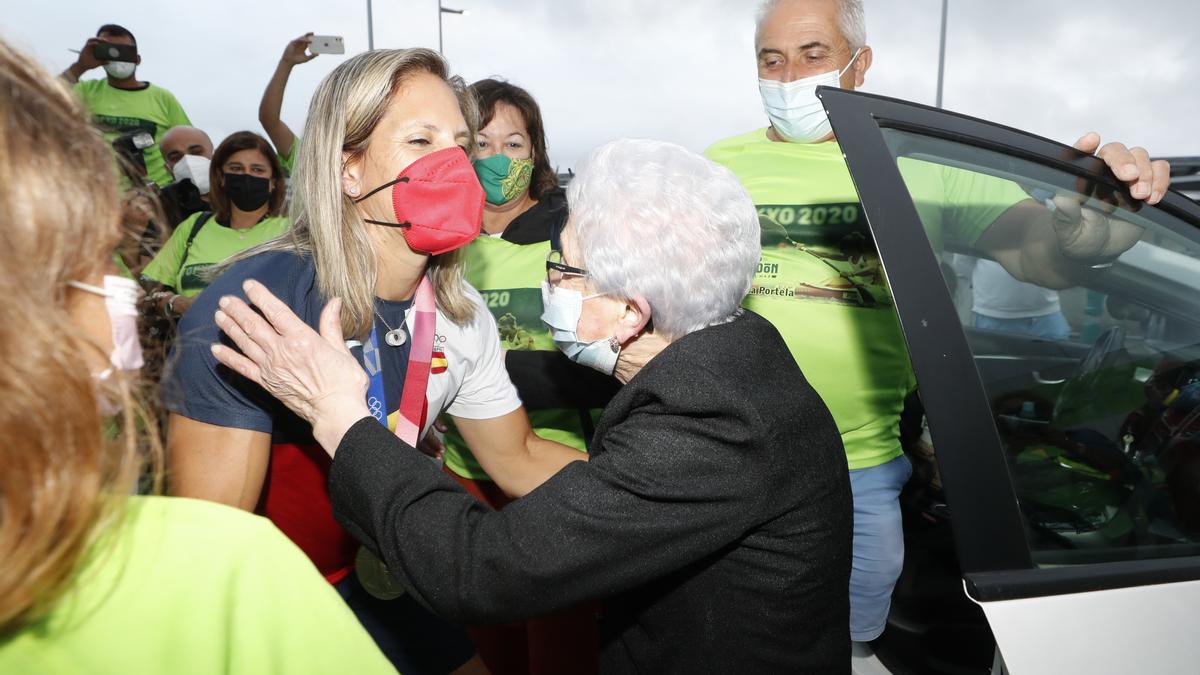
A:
{"points": [[121, 105], [820, 280]]}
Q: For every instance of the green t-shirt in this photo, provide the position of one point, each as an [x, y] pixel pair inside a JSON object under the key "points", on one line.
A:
{"points": [[288, 159], [184, 586], [509, 277], [214, 244], [120, 111], [820, 281]]}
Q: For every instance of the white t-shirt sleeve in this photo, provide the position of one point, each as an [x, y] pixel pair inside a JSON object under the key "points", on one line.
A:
{"points": [[486, 390]]}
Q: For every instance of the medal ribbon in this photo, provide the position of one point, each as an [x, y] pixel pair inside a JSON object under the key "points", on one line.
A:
{"points": [[412, 408]]}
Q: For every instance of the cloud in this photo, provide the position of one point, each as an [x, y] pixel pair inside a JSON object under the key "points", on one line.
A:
{"points": [[1060, 71], [680, 71]]}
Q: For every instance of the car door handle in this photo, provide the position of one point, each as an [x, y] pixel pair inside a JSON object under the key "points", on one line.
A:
{"points": [[1037, 377]]}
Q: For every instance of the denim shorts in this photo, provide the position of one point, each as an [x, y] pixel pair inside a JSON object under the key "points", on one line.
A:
{"points": [[1053, 326], [878, 545]]}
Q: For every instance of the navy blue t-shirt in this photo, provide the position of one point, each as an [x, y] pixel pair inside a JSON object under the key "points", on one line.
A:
{"points": [[294, 494], [198, 387]]}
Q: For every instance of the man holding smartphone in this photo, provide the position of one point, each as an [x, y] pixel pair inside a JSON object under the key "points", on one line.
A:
{"points": [[120, 104]]}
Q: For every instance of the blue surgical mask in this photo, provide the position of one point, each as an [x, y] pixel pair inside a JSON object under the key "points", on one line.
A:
{"points": [[562, 309], [793, 107]]}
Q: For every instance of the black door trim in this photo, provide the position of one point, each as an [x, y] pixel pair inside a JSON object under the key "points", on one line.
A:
{"points": [[1034, 583], [955, 402]]}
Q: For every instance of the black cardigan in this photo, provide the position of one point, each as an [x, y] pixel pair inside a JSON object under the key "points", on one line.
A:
{"points": [[539, 222], [714, 518]]}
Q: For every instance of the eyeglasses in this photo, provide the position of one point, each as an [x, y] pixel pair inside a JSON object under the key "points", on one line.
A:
{"points": [[556, 269]]}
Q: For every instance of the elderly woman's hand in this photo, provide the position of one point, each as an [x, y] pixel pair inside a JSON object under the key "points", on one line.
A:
{"points": [[312, 374]]}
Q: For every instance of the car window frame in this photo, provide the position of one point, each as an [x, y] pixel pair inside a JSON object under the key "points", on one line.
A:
{"points": [[986, 519]]}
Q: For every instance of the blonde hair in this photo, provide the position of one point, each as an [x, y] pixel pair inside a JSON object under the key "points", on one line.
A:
{"points": [[345, 109], [64, 470]]}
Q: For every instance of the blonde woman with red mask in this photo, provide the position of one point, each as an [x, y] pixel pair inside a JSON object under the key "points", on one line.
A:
{"points": [[383, 196]]}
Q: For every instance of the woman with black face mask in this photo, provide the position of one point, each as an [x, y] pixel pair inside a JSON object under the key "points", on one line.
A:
{"points": [[247, 197]]}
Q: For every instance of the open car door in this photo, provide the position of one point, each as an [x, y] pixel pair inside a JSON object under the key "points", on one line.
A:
{"points": [[1060, 375]]}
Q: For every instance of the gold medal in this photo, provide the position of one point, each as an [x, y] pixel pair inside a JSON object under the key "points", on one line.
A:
{"points": [[374, 576]]}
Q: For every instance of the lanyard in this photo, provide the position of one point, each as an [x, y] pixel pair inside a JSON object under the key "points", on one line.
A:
{"points": [[412, 409]]}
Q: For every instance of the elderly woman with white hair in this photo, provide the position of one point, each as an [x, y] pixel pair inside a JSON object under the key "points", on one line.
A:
{"points": [[714, 517]]}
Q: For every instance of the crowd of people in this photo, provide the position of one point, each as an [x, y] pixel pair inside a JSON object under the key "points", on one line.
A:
{"points": [[486, 424]]}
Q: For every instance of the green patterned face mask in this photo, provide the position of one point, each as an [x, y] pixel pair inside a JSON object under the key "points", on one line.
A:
{"points": [[503, 178]]}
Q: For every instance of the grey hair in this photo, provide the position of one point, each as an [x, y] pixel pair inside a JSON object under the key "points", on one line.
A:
{"points": [[654, 219], [852, 21]]}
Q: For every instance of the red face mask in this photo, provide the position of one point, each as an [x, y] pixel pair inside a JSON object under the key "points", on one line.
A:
{"points": [[438, 202]]}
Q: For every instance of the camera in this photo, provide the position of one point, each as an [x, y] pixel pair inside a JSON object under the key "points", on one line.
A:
{"points": [[110, 51]]}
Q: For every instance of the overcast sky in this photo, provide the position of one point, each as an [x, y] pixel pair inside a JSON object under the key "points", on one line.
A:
{"points": [[680, 70]]}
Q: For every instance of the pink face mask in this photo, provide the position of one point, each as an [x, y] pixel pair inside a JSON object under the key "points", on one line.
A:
{"points": [[438, 202], [120, 299]]}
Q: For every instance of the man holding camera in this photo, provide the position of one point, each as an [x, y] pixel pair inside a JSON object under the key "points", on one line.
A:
{"points": [[135, 114]]}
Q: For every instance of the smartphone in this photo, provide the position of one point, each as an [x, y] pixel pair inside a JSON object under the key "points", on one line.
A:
{"points": [[327, 44], [108, 51]]}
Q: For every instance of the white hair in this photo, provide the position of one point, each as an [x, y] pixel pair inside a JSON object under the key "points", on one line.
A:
{"points": [[654, 219], [852, 21]]}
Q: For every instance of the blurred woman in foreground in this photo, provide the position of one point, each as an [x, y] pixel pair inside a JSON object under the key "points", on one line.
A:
{"points": [[95, 580]]}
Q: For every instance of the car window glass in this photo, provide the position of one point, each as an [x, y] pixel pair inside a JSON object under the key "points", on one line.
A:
{"points": [[1087, 341], [1185, 176]]}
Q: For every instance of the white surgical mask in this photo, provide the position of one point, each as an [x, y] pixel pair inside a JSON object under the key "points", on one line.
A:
{"points": [[562, 308], [120, 299], [119, 70], [793, 107], [195, 169]]}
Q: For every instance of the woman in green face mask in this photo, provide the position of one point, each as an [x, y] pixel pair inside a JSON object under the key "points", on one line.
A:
{"points": [[507, 264], [523, 197]]}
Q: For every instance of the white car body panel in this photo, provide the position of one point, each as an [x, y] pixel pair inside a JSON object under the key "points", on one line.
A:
{"points": [[1143, 629]]}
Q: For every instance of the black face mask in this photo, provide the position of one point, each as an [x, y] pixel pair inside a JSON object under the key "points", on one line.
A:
{"points": [[247, 192]]}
